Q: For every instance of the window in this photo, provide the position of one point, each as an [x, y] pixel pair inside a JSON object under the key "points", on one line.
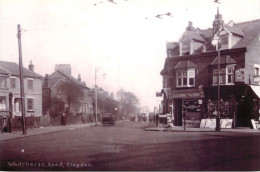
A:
{"points": [[30, 84], [185, 48], [30, 104], [3, 80], [3, 103], [17, 105], [165, 84], [13, 82], [257, 72], [226, 75], [186, 78]]}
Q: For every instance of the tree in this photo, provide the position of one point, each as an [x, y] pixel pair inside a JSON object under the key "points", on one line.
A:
{"points": [[72, 93], [128, 103]]}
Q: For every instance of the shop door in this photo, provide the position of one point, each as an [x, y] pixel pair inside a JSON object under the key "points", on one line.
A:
{"points": [[242, 116], [178, 112]]}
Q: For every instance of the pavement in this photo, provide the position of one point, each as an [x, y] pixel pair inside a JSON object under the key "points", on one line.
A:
{"points": [[181, 129], [53, 129], [41, 130]]}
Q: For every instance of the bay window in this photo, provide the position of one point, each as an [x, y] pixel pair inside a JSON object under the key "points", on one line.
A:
{"points": [[3, 103], [3, 81], [226, 75], [186, 78]]}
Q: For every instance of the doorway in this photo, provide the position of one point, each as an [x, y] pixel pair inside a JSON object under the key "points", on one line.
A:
{"points": [[178, 112]]}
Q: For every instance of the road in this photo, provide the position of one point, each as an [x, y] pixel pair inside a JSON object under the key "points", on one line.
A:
{"points": [[126, 146]]}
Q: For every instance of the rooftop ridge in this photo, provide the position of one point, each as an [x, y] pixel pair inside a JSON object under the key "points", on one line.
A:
{"points": [[246, 22]]}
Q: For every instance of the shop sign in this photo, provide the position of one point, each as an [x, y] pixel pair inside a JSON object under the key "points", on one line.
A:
{"points": [[211, 123], [158, 94], [240, 75], [187, 95], [256, 78], [256, 124], [192, 123]]}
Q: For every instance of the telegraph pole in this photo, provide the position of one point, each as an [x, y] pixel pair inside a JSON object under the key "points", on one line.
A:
{"points": [[21, 77], [96, 95]]}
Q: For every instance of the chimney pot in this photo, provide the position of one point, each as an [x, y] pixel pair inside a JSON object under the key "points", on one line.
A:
{"points": [[79, 78], [31, 66]]}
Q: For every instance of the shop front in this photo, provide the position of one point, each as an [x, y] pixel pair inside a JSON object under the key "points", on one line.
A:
{"points": [[187, 106], [237, 102]]}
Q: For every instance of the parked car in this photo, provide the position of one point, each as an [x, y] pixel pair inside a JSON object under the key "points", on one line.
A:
{"points": [[107, 118]]}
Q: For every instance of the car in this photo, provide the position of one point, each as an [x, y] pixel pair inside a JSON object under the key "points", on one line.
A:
{"points": [[107, 118]]}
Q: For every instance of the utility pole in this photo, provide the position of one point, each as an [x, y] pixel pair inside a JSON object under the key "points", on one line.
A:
{"points": [[21, 78], [96, 95]]}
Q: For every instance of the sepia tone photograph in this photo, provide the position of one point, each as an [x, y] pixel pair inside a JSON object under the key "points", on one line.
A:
{"points": [[129, 85]]}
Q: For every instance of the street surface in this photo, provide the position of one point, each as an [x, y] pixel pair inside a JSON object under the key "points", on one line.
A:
{"points": [[126, 146]]}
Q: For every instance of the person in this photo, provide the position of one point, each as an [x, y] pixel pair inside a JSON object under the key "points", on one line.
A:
{"points": [[156, 119], [63, 119]]}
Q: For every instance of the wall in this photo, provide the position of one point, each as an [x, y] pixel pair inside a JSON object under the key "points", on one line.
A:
{"points": [[252, 57]]}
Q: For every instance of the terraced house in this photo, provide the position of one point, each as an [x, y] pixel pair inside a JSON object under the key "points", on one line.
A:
{"points": [[10, 97], [190, 73]]}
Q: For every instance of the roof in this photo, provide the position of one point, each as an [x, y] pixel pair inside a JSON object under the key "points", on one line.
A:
{"points": [[195, 36], [54, 81], [184, 64], [224, 60], [234, 30], [250, 30], [13, 69]]}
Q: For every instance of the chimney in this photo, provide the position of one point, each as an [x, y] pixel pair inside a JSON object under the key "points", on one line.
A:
{"points": [[46, 81], [65, 68], [231, 23], [31, 66], [190, 27], [217, 23], [79, 78]]}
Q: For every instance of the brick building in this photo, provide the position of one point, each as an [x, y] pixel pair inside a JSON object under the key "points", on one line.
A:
{"points": [[10, 97], [55, 101], [190, 73]]}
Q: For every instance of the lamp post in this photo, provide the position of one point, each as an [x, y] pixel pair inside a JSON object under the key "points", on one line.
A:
{"points": [[215, 42]]}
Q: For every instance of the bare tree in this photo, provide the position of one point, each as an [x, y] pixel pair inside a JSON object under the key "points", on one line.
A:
{"points": [[72, 92], [128, 103]]}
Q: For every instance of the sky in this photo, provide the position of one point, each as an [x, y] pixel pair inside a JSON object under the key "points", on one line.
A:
{"points": [[123, 40]]}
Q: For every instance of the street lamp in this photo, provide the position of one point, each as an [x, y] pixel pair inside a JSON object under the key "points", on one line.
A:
{"points": [[96, 70], [216, 42]]}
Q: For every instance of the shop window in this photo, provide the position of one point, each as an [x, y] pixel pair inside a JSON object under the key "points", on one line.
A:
{"points": [[226, 76], [30, 104], [186, 78], [3, 104], [3, 80]]}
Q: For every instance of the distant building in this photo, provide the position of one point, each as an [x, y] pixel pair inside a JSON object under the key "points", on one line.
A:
{"points": [[55, 102], [10, 97], [190, 73]]}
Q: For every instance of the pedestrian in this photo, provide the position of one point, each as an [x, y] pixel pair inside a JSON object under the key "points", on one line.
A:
{"points": [[156, 119], [63, 119]]}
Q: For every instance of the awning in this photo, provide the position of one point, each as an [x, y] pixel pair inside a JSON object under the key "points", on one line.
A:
{"points": [[187, 94], [256, 89]]}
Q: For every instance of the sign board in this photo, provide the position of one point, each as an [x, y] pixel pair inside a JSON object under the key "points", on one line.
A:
{"points": [[256, 78], [158, 94], [256, 124], [240, 75], [211, 123]]}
